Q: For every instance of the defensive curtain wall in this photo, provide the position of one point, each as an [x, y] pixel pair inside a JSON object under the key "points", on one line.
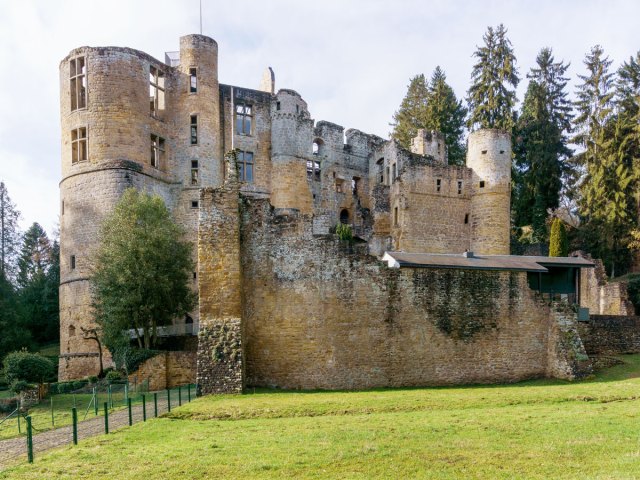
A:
{"points": [[283, 307]]}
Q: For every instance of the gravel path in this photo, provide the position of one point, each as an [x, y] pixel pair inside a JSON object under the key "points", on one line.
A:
{"points": [[15, 449]]}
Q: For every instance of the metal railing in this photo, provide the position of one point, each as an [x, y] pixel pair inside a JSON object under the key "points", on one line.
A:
{"points": [[179, 330]]}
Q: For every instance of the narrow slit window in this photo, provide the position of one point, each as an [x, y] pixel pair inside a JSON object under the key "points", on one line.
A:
{"points": [[194, 172], [78, 144], [156, 92], [62, 208], [245, 166], [193, 80], [481, 183], [243, 119], [466, 218], [394, 172], [277, 105], [380, 169], [395, 216], [484, 152], [459, 187], [438, 184], [157, 151], [194, 129], [388, 177], [78, 83], [72, 262]]}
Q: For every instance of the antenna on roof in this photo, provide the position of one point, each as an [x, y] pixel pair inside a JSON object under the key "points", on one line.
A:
{"points": [[200, 17]]}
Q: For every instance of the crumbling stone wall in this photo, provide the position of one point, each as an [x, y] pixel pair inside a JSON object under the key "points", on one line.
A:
{"points": [[166, 370], [599, 295], [611, 334], [319, 313]]}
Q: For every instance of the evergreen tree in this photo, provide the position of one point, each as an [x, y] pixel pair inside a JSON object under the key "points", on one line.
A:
{"points": [[432, 106], [446, 114], [14, 334], [141, 270], [412, 112], [494, 78], [558, 243], [38, 279], [9, 235], [540, 145]]}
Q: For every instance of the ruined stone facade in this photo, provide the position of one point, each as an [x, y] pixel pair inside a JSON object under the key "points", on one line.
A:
{"points": [[283, 302]]}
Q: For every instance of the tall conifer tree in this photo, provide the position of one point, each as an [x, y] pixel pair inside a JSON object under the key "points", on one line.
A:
{"points": [[9, 235], [494, 78], [412, 112]]}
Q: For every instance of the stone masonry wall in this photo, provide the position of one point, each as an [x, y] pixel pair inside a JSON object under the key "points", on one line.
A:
{"points": [[600, 296], [167, 370], [220, 361], [611, 334], [319, 313]]}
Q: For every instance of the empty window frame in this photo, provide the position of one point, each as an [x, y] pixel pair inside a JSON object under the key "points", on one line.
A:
{"points": [[481, 183], [157, 151], [194, 203], [78, 83], [394, 172], [78, 144], [466, 218], [156, 91], [315, 148], [194, 129], [438, 184], [388, 177], [194, 172], [313, 170], [380, 170], [277, 105], [243, 119], [344, 216], [245, 166], [193, 80], [395, 216], [72, 262], [355, 185], [459, 187]]}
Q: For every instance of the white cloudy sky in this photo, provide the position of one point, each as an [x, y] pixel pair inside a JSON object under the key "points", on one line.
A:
{"points": [[350, 59]]}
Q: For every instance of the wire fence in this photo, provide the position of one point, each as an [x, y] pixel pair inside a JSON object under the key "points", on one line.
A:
{"points": [[74, 416]]}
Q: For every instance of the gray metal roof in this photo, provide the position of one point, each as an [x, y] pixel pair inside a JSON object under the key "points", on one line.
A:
{"points": [[516, 263]]}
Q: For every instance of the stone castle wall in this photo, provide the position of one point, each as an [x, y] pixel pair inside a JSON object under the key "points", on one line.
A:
{"points": [[602, 297], [166, 370], [611, 334]]}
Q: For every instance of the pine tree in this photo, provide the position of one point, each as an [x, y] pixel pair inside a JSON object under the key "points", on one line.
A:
{"points": [[34, 255], [412, 112], [494, 78], [9, 235], [540, 148], [446, 114], [558, 242], [432, 106]]}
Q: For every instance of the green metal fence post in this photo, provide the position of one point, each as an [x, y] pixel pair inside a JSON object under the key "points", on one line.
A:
{"points": [[53, 423], [130, 414], [144, 407], [29, 440], [106, 418], [155, 404], [168, 400], [189, 392], [74, 421], [179, 395]]}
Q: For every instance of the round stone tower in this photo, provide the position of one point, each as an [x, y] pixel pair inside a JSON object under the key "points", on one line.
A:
{"points": [[291, 149], [126, 121], [489, 156]]}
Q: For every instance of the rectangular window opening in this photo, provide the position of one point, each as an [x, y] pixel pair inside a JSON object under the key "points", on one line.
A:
{"points": [[438, 184], [277, 105], [394, 172], [245, 166], [78, 83], [157, 151], [243, 119], [72, 262], [481, 183], [459, 187], [194, 172], [79, 144], [380, 169], [194, 203], [395, 216], [193, 80], [156, 92], [194, 129], [62, 208], [466, 218]]}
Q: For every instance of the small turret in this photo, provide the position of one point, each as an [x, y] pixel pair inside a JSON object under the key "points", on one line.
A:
{"points": [[268, 82], [430, 143]]}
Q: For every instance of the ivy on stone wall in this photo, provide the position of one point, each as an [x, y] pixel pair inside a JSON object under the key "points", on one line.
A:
{"points": [[225, 346]]}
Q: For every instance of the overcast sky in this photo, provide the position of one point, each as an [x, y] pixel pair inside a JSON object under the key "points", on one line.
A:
{"points": [[350, 60]]}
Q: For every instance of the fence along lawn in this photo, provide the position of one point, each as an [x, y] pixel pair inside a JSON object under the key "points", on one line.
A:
{"points": [[537, 429]]}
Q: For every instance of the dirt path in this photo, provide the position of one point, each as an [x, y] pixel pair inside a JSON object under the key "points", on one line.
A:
{"points": [[15, 449]]}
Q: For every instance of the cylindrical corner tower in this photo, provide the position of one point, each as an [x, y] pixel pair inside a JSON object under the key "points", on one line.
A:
{"points": [[489, 156], [291, 144]]}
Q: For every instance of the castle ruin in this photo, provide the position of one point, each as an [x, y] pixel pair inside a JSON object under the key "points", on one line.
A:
{"points": [[427, 294]]}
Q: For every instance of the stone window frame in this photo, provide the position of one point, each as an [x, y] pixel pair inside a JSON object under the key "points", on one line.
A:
{"points": [[193, 129], [246, 159], [72, 262], [157, 151], [394, 172], [79, 145], [195, 204], [78, 83], [459, 187], [193, 80], [195, 177], [438, 185], [157, 89], [243, 118], [380, 170], [313, 170]]}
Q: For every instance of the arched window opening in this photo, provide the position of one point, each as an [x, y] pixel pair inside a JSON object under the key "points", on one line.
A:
{"points": [[316, 148], [344, 216]]}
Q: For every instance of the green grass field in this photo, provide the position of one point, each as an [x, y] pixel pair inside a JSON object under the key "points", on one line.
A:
{"points": [[537, 429]]}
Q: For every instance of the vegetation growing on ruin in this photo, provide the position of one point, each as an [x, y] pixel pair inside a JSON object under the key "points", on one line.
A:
{"points": [[538, 429]]}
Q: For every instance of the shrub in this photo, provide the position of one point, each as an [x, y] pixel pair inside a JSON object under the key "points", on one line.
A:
{"points": [[113, 376], [18, 386], [558, 243], [344, 232], [30, 367], [92, 379]]}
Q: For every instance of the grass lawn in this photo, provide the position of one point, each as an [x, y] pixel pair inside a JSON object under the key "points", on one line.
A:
{"points": [[537, 429]]}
